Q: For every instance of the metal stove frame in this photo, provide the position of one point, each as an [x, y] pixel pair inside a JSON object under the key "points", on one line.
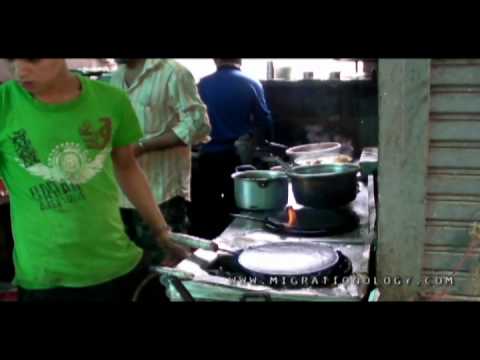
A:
{"points": [[242, 233]]}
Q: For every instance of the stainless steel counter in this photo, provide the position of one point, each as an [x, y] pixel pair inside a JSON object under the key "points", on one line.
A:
{"points": [[243, 233]]}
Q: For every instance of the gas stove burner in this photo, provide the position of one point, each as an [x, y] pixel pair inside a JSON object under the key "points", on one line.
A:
{"points": [[313, 222]]}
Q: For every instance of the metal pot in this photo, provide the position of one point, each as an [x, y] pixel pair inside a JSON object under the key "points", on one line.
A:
{"points": [[324, 186], [260, 189]]}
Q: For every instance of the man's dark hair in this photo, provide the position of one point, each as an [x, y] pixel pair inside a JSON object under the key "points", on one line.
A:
{"points": [[230, 61]]}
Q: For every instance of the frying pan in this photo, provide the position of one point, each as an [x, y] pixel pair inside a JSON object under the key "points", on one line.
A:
{"points": [[310, 222], [284, 264]]}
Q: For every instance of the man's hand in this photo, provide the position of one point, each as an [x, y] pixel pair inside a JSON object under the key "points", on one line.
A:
{"points": [[166, 140], [135, 185], [3, 191], [138, 150], [174, 253]]}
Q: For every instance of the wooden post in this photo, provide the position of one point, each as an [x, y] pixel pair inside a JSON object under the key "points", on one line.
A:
{"points": [[404, 102]]}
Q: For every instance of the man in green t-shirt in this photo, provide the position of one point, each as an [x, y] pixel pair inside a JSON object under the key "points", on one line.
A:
{"points": [[65, 141]]}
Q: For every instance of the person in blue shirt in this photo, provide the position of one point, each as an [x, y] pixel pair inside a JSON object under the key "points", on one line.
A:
{"points": [[237, 108]]}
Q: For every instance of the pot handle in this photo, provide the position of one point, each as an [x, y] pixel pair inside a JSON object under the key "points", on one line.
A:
{"points": [[245, 168]]}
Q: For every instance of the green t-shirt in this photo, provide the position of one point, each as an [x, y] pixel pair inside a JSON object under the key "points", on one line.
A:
{"points": [[56, 162]]}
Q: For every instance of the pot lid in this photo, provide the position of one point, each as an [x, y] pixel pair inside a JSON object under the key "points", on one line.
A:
{"points": [[314, 149]]}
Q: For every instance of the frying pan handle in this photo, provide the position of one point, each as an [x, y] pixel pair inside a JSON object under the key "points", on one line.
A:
{"points": [[168, 271], [248, 217], [193, 241], [276, 145], [266, 297]]}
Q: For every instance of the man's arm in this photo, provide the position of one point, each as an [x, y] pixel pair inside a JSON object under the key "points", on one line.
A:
{"points": [[194, 124], [160, 142], [3, 190], [135, 185], [261, 112]]}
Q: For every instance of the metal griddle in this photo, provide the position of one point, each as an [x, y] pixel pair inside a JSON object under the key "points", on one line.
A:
{"points": [[285, 265]]}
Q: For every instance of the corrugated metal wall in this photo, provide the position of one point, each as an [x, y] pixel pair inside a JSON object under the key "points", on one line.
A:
{"points": [[453, 180]]}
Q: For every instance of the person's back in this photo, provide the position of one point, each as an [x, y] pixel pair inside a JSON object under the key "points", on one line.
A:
{"points": [[236, 105]]}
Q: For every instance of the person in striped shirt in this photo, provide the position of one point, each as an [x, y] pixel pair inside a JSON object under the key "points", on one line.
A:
{"points": [[173, 118]]}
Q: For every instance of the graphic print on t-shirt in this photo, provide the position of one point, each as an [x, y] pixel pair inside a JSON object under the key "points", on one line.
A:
{"points": [[97, 139], [24, 148], [51, 195], [69, 164]]}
